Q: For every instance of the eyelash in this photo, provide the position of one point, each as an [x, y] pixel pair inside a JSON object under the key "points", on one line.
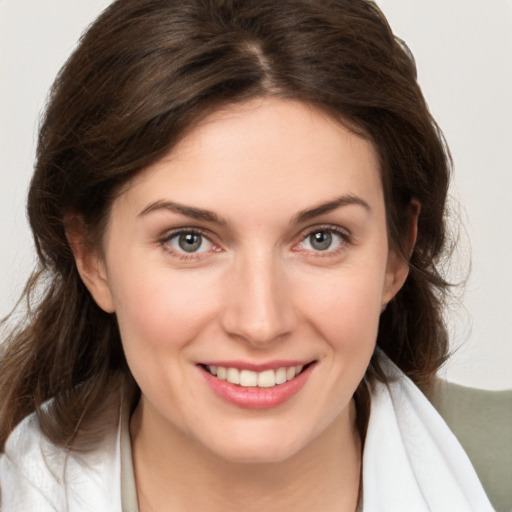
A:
{"points": [[165, 241], [333, 230]]}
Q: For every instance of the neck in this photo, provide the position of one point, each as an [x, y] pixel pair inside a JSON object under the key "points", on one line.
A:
{"points": [[174, 472]]}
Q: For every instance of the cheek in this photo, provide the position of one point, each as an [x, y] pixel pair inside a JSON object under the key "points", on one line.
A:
{"points": [[345, 307], [159, 308], [160, 314]]}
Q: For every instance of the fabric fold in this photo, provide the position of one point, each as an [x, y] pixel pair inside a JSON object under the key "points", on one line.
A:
{"points": [[412, 461]]}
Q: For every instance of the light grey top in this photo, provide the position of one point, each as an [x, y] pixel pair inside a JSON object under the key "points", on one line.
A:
{"points": [[128, 489]]}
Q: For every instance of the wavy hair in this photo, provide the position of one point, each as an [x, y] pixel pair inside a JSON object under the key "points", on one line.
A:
{"points": [[143, 74]]}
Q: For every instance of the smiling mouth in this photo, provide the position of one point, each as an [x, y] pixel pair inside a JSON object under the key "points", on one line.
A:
{"points": [[247, 378]]}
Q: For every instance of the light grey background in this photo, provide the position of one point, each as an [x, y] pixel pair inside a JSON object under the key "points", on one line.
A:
{"points": [[463, 50]]}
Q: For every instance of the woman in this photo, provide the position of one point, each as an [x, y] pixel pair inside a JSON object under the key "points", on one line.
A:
{"points": [[238, 209]]}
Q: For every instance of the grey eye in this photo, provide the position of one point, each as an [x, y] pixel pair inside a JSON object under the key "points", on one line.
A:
{"points": [[323, 240], [190, 242], [320, 241]]}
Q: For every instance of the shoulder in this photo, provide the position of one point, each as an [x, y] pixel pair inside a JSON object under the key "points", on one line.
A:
{"points": [[35, 474], [482, 421]]}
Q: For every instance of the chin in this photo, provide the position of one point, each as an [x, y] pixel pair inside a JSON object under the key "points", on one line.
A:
{"points": [[256, 449], [261, 455]]}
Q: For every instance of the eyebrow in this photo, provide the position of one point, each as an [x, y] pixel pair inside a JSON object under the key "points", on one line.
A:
{"points": [[189, 211], [209, 216], [345, 200]]}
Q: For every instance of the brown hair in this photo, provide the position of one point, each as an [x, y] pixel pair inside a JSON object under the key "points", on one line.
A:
{"points": [[144, 73]]}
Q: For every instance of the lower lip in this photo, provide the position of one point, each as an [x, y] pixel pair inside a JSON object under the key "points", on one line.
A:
{"points": [[254, 397]]}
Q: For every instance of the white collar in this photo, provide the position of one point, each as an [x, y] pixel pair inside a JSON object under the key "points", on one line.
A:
{"points": [[411, 460]]}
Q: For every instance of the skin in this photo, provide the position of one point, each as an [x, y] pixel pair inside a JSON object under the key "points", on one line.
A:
{"points": [[257, 290]]}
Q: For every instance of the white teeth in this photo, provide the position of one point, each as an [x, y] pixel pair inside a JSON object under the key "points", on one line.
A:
{"points": [[267, 379], [233, 376], [248, 378], [290, 372], [281, 376]]}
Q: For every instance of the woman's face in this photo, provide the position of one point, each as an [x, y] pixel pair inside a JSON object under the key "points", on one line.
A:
{"points": [[258, 245]]}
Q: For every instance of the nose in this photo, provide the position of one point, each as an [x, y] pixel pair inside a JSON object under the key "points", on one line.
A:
{"points": [[258, 307]]}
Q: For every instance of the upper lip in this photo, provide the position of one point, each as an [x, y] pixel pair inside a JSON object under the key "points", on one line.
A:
{"points": [[259, 367]]}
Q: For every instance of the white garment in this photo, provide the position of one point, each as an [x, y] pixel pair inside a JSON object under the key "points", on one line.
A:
{"points": [[411, 463], [37, 476]]}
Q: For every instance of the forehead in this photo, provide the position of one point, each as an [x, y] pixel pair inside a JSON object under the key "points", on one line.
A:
{"points": [[261, 153]]}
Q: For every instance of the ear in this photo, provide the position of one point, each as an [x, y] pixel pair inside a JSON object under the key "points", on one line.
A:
{"points": [[397, 268], [90, 264]]}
